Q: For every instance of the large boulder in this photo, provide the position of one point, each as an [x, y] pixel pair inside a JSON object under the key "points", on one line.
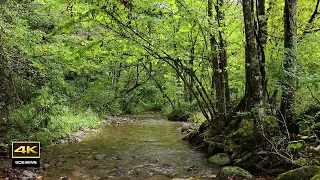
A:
{"points": [[303, 173], [244, 133], [233, 172], [220, 159]]}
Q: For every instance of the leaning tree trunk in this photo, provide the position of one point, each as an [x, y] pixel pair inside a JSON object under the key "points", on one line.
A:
{"points": [[289, 66], [253, 74]]}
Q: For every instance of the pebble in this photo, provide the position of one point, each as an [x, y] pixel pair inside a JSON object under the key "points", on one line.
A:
{"points": [[100, 157]]}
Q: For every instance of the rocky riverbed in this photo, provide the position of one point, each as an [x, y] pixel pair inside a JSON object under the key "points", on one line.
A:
{"points": [[129, 147]]}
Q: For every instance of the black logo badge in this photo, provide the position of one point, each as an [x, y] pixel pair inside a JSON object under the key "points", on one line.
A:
{"points": [[25, 154]]}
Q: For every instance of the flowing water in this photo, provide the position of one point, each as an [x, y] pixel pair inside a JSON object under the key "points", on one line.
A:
{"points": [[149, 148]]}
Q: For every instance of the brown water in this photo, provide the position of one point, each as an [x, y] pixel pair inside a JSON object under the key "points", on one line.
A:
{"points": [[149, 148]]}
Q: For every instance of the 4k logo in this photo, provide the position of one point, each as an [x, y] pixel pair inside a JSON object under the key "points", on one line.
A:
{"points": [[22, 149], [25, 149]]}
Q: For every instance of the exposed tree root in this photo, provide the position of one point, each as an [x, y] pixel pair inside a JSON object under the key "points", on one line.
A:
{"points": [[255, 159]]}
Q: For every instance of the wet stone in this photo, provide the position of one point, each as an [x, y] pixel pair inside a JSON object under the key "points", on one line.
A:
{"points": [[100, 157]]}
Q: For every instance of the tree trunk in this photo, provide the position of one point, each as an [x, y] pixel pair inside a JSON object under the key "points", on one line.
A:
{"points": [[262, 41], [215, 62], [289, 66], [219, 63], [253, 73], [3, 90], [187, 92], [225, 93]]}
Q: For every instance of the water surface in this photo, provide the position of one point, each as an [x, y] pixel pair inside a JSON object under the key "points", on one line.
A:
{"points": [[149, 148]]}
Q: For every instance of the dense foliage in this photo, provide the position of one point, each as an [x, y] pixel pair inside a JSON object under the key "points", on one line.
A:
{"points": [[65, 65]]}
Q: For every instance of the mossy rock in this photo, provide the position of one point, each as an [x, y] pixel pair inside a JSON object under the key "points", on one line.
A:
{"points": [[220, 159], [303, 173], [233, 172], [244, 133], [316, 177]]}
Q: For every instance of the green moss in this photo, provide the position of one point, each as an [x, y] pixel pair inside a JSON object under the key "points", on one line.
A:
{"points": [[231, 145], [303, 173], [244, 132], [271, 121], [301, 161], [316, 177], [220, 159], [234, 172], [316, 126]]}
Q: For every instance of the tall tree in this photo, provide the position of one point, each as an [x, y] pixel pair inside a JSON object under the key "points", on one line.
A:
{"points": [[253, 94], [219, 61], [2, 81], [223, 59], [262, 40], [289, 66]]}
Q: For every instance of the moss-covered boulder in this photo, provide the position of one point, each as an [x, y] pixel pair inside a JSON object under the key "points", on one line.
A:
{"points": [[316, 177], [220, 159], [233, 172], [244, 133], [303, 173]]}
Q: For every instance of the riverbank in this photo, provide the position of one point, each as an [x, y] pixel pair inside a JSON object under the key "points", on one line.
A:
{"points": [[75, 137], [237, 148]]}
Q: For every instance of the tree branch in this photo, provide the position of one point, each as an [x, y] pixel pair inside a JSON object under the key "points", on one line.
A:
{"points": [[312, 18]]}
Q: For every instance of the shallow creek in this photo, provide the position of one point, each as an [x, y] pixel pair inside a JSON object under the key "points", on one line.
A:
{"points": [[148, 148]]}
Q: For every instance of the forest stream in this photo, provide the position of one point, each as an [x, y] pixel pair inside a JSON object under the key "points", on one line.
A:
{"points": [[150, 147], [247, 72]]}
